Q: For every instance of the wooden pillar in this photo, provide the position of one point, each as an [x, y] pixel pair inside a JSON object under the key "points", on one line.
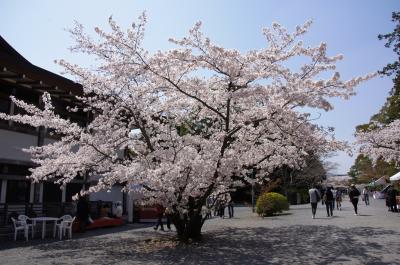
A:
{"points": [[64, 194], [3, 191], [32, 193], [41, 193], [130, 207], [12, 106]]}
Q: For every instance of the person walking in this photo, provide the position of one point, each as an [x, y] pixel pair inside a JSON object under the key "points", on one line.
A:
{"points": [[328, 198], [230, 208], [160, 213], [391, 195], [82, 213], [353, 195], [221, 212], [315, 196], [365, 195], [168, 214], [339, 200], [216, 208], [334, 197], [322, 193]]}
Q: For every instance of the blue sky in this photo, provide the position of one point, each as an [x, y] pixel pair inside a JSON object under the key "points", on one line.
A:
{"points": [[36, 29]]}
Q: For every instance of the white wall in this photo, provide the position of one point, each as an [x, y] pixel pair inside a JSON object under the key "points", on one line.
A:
{"points": [[11, 144]]}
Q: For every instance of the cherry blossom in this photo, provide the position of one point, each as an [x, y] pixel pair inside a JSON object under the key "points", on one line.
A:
{"points": [[192, 122], [381, 141]]}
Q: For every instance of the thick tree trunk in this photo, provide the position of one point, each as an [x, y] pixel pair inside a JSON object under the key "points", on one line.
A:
{"points": [[188, 227]]}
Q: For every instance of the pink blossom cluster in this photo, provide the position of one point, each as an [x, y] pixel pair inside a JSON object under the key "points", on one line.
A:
{"points": [[381, 142]]}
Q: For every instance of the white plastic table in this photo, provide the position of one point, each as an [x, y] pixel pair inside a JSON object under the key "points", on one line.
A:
{"points": [[44, 220]]}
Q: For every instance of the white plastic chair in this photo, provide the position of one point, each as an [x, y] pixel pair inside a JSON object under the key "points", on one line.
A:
{"points": [[60, 224], [20, 226], [68, 226], [64, 225], [24, 218]]}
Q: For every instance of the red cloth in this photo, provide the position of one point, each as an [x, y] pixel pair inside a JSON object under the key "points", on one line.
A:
{"points": [[101, 222], [160, 209], [148, 213]]}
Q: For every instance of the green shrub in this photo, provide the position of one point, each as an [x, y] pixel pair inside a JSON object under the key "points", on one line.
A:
{"points": [[270, 203]]}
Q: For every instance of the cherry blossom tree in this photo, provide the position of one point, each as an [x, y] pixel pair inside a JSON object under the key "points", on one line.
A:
{"points": [[381, 141], [196, 121]]}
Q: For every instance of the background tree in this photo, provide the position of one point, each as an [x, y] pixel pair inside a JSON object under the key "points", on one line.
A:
{"points": [[393, 41], [312, 172], [363, 170], [379, 139], [291, 181], [240, 111]]}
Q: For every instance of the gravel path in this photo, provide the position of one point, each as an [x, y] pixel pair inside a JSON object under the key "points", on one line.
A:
{"points": [[294, 237]]}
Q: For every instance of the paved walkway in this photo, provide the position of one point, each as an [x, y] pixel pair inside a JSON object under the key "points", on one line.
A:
{"points": [[373, 237]]}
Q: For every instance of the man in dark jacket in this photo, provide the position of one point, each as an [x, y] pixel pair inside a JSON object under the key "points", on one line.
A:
{"points": [[328, 196], [391, 196], [82, 213], [353, 195]]}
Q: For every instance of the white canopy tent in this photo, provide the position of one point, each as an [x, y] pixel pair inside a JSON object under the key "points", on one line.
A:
{"points": [[380, 181], [395, 177]]}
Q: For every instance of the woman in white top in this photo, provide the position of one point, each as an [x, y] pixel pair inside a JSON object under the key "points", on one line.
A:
{"points": [[365, 195]]}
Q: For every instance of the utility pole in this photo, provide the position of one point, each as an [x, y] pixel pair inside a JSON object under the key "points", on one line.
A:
{"points": [[252, 198]]}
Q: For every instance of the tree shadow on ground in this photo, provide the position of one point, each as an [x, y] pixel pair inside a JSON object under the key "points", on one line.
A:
{"points": [[284, 245], [37, 241]]}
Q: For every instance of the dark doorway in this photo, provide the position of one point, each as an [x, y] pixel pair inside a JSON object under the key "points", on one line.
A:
{"points": [[18, 191], [51, 192]]}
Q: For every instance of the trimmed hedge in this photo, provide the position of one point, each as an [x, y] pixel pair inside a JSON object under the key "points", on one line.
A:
{"points": [[270, 203]]}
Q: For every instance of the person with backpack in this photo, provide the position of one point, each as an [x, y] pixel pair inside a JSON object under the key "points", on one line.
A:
{"points": [[315, 197], [328, 198], [353, 195], [322, 193]]}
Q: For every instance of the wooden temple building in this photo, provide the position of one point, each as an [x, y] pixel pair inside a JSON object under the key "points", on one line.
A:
{"points": [[22, 79]]}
